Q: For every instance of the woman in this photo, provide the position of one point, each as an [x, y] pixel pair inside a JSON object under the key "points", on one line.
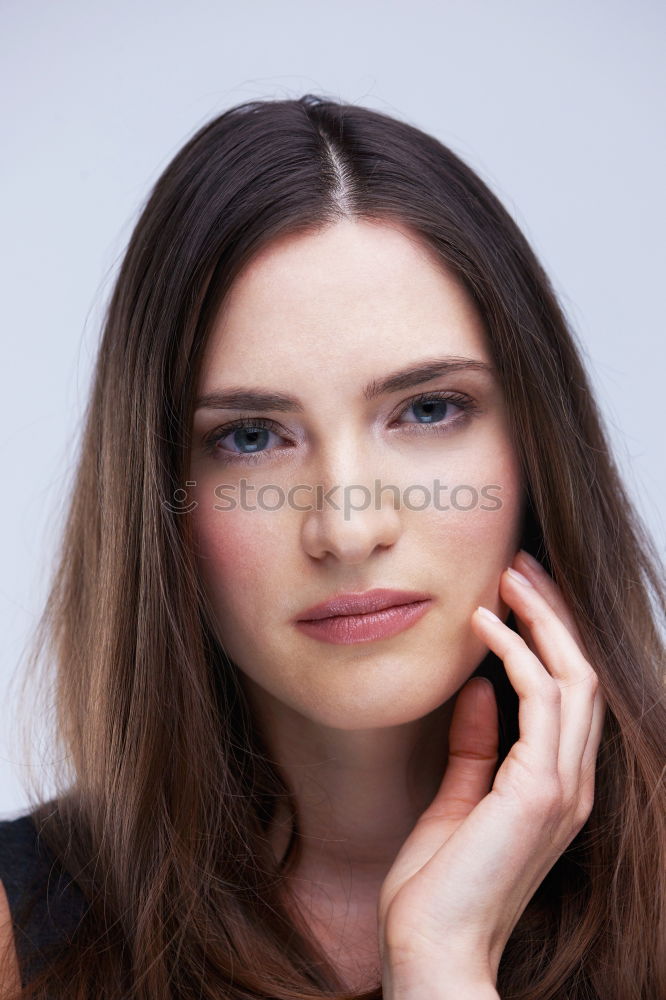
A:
{"points": [[332, 365]]}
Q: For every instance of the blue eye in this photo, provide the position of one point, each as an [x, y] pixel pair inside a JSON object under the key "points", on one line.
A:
{"points": [[254, 432], [433, 409]]}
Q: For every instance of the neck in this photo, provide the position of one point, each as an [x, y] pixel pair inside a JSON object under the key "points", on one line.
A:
{"points": [[358, 792]]}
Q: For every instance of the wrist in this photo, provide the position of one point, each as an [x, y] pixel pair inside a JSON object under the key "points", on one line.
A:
{"points": [[435, 982], [433, 991]]}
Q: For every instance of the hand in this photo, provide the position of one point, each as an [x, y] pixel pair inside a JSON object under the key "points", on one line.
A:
{"points": [[477, 854]]}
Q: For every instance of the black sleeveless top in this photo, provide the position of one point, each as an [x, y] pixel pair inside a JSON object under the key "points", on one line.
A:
{"points": [[44, 902]]}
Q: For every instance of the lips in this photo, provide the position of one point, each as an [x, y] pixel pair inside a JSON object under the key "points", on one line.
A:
{"points": [[361, 603]]}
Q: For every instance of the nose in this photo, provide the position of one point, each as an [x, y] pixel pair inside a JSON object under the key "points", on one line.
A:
{"points": [[350, 521]]}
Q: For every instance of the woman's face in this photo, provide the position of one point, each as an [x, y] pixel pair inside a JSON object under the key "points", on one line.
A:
{"points": [[321, 318]]}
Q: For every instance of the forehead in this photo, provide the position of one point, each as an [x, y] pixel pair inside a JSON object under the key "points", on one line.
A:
{"points": [[345, 297]]}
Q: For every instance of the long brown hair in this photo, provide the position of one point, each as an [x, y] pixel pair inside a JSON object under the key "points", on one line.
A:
{"points": [[164, 786]]}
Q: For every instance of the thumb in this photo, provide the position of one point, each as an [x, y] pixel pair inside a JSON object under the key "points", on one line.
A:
{"points": [[473, 751]]}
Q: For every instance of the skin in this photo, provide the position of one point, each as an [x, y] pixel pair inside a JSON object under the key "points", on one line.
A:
{"points": [[360, 730], [481, 849], [416, 859]]}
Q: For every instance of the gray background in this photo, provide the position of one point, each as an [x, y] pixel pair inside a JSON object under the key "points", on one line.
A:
{"points": [[559, 107]]}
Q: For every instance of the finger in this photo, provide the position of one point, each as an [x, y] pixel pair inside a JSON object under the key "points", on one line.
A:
{"points": [[545, 584], [539, 577], [539, 694], [564, 659], [589, 761], [525, 635], [556, 647], [473, 751]]}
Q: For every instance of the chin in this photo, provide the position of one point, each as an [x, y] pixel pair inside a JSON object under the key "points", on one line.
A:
{"points": [[377, 703]]}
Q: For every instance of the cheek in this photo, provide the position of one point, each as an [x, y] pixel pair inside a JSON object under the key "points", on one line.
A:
{"points": [[475, 530], [237, 557], [479, 520], [475, 496]]}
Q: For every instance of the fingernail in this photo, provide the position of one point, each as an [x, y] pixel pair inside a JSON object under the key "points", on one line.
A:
{"points": [[487, 614], [530, 560], [518, 576]]}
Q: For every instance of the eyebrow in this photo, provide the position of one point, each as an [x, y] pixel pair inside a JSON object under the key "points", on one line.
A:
{"points": [[240, 397]]}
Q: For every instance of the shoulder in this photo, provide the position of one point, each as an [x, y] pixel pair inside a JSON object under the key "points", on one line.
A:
{"points": [[17, 838], [16, 859], [10, 975], [39, 902], [22, 857], [19, 859]]}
